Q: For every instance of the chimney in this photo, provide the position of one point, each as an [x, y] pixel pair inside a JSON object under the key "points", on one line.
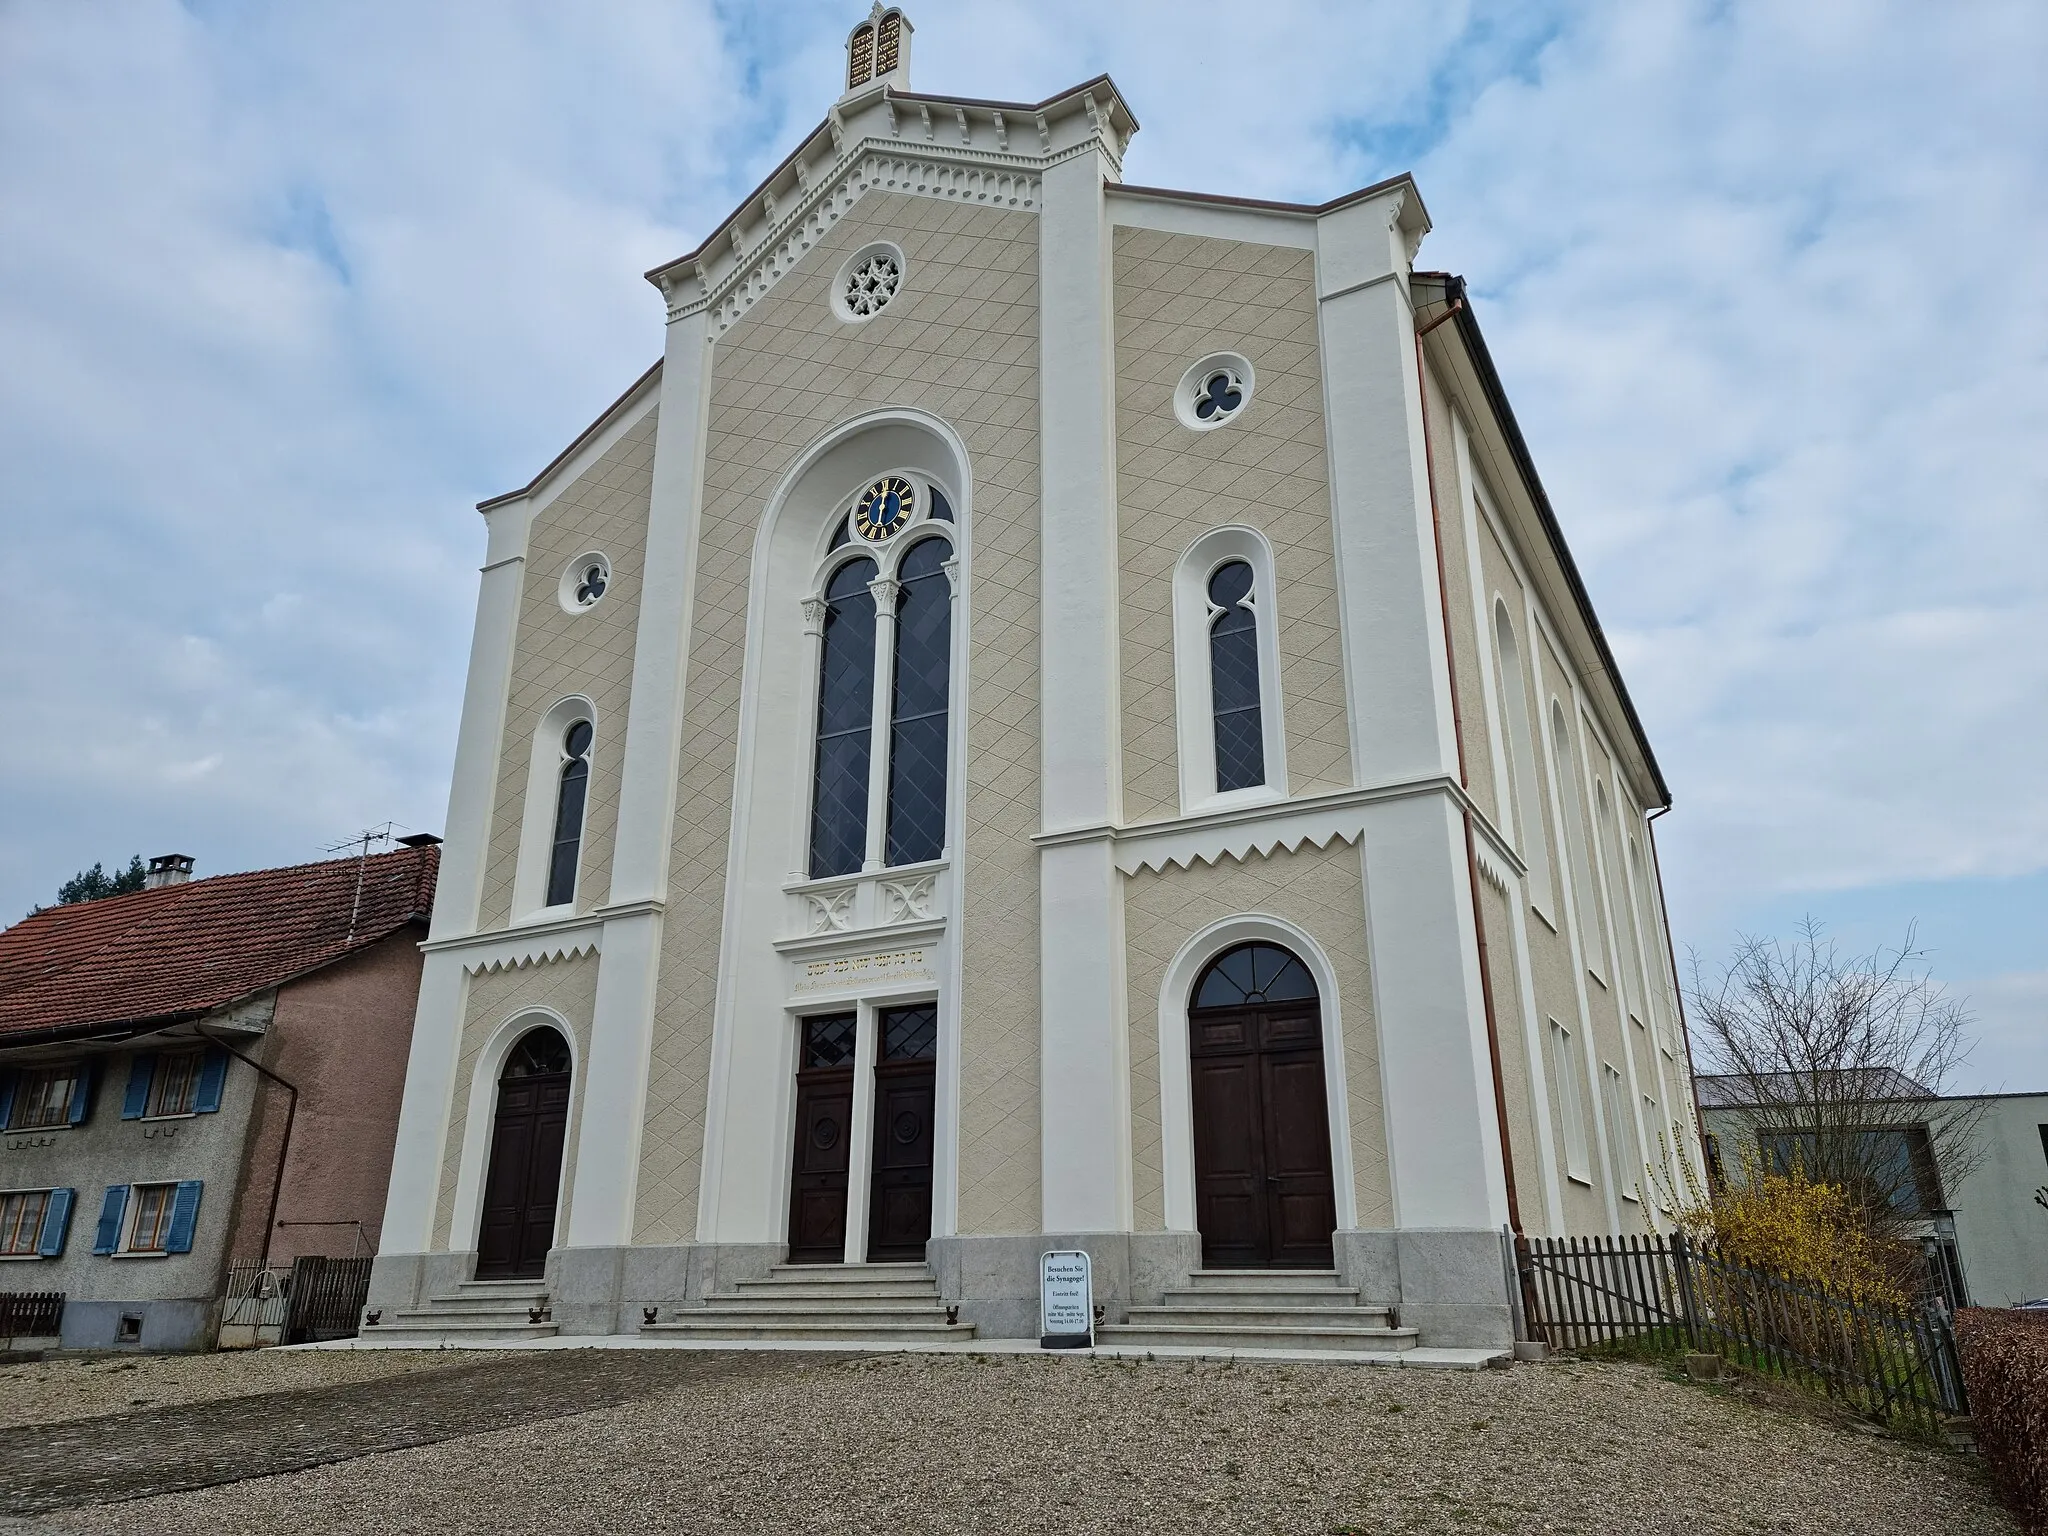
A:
{"points": [[168, 869]]}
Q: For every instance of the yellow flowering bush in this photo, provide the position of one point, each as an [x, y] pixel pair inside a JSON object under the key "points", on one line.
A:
{"points": [[1791, 1225]]}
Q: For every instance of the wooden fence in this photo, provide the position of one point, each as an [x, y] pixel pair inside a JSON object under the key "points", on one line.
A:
{"points": [[1669, 1293]]}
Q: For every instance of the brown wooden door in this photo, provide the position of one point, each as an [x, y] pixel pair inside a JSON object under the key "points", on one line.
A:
{"points": [[900, 1192], [824, 1141], [525, 1173], [1264, 1195]]}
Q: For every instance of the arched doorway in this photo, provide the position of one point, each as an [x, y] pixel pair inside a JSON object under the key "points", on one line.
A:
{"points": [[525, 1173], [1264, 1193]]}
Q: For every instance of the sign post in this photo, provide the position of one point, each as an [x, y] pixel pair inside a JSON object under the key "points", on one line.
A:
{"points": [[1066, 1301]]}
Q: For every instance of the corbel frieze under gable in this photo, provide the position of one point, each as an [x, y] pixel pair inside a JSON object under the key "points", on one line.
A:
{"points": [[517, 957], [988, 178]]}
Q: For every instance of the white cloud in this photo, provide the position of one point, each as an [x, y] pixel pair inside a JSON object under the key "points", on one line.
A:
{"points": [[283, 290]]}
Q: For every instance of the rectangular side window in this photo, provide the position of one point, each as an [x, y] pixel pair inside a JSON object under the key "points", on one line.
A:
{"points": [[21, 1221], [1621, 1133], [1564, 1068]]}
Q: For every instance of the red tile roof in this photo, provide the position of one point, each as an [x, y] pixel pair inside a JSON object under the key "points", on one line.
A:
{"points": [[182, 951]]}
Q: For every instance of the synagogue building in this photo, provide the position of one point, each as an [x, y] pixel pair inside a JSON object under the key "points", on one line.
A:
{"points": [[1057, 715]]}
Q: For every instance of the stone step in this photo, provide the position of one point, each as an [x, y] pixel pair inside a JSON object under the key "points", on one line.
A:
{"points": [[846, 1274], [429, 1334], [1263, 1279], [1210, 1316], [928, 1289], [1218, 1336], [1263, 1296], [825, 1306], [461, 1315], [707, 1323], [476, 1305], [505, 1288]]}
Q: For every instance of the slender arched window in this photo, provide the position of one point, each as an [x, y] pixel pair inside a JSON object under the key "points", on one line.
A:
{"points": [[571, 791], [1592, 930], [1234, 679], [1526, 795], [846, 688], [917, 714]]}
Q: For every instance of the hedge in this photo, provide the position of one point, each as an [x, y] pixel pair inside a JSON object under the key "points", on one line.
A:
{"points": [[2005, 1367]]}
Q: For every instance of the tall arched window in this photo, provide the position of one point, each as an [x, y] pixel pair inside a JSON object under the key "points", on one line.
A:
{"points": [[917, 715], [1592, 931], [846, 686], [1234, 679], [1526, 796], [885, 622], [572, 789]]}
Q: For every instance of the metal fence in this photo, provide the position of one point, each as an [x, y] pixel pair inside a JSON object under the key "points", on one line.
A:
{"points": [[309, 1300], [31, 1314], [1667, 1292]]}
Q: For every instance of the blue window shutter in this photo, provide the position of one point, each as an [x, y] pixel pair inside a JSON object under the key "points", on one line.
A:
{"points": [[56, 1223], [6, 1098], [213, 1075], [184, 1216], [112, 1209], [81, 1092], [140, 1071]]}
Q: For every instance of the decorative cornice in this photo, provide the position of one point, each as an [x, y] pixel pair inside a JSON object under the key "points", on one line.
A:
{"points": [[990, 178], [560, 938], [1280, 826]]}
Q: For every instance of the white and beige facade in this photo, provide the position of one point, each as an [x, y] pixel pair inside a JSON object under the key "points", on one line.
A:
{"points": [[1438, 803]]}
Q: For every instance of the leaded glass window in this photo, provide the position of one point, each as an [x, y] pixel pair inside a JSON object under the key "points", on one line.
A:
{"points": [[910, 1034], [1234, 679], [846, 688], [571, 792], [917, 715], [1252, 974], [828, 1042]]}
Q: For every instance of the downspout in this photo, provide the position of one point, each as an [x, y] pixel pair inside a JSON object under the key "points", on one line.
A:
{"points": [[1523, 1271], [284, 1146]]}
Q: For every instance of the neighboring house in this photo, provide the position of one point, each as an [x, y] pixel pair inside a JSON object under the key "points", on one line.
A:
{"points": [[143, 1149], [1057, 714], [1986, 1225]]}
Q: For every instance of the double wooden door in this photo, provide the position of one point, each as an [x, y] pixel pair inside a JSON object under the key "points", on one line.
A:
{"points": [[525, 1173], [1264, 1195], [901, 1146]]}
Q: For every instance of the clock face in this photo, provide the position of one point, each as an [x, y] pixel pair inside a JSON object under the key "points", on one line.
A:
{"points": [[884, 508]]}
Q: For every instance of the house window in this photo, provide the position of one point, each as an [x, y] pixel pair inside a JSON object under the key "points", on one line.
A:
{"points": [[1586, 907], [1526, 796], [1888, 1167], [884, 624], [21, 1222], [1564, 1067], [45, 1096], [174, 1090], [152, 1228], [572, 789]]}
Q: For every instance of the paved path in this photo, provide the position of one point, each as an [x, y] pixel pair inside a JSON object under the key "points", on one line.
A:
{"points": [[169, 1450]]}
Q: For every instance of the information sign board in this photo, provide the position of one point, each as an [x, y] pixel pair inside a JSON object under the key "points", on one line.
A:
{"points": [[1066, 1301]]}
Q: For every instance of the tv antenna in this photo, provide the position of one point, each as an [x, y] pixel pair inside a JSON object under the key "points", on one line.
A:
{"points": [[363, 841]]}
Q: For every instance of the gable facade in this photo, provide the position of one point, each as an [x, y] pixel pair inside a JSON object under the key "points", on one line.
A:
{"points": [[1208, 687]]}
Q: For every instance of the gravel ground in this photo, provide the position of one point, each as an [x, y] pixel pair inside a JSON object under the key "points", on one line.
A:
{"points": [[74, 1387], [906, 1444]]}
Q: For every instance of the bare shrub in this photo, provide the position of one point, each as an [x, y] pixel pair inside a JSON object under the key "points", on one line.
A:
{"points": [[2005, 1368]]}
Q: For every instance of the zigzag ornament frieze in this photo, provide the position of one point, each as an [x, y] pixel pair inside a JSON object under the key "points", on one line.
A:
{"points": [[759, 266]]}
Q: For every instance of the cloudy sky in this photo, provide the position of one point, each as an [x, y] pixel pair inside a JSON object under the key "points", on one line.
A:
{"points": [[286, 289]]}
